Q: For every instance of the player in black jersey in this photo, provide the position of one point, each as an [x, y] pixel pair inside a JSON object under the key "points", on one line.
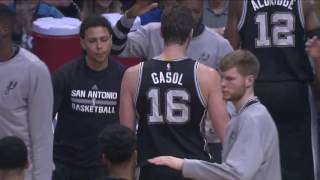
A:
{"points": [[170, 95], [275, 31]]}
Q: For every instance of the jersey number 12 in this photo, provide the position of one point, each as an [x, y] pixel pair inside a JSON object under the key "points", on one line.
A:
{"points": [[282, 28]]}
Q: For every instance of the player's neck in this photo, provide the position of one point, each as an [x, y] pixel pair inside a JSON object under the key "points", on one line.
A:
{"points": [[123, 170], [238, 104], [7, 51], [173, 51], [11, 175], [96, 65]]}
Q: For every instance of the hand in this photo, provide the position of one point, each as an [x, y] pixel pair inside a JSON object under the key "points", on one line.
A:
{"points": [[171, 162], [313, 48], [140, 7]]}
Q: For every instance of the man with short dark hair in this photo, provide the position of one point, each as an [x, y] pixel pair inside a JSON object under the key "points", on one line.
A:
{"points": [[86, 98], [119, 145], [250, 148], [171, 94], [275, 31], [13, 158], [26, 99]]}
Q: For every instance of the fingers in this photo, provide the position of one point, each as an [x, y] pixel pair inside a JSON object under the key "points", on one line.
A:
{"points": [[161, 160]]}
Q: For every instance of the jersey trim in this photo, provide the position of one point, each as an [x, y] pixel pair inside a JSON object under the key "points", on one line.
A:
{"points": [[203, 132], [159, 58], [139, 82], [301, 15], [243, 15], [198, 85]]}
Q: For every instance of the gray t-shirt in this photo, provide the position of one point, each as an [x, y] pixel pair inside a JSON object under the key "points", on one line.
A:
{"points": [[250, 150], [146, 42], [26, 105]]}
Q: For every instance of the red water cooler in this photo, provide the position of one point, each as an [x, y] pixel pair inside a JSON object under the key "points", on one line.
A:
{"points": [[56, 41]]}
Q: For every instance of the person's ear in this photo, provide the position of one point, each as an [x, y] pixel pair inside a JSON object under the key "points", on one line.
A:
{"points": [[4, 31], [27, 164], [104, 160], [191, 33], [82, 43], [250, 81]]}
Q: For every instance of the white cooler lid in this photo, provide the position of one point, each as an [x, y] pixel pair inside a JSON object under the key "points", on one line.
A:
{"points": [[56, 26]]}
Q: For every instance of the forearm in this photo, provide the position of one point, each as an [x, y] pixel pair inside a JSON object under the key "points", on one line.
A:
{"points": [[120, 34], [40, 126], [202, 170]]}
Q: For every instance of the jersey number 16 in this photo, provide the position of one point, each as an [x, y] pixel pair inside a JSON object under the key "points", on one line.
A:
{"points": [[176, 110]]}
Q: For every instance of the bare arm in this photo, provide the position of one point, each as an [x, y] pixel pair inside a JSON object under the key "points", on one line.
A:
{"points": [[131, 44], [313, 50], [128, 91], [211, 90], [231, 31], [310, 16]]}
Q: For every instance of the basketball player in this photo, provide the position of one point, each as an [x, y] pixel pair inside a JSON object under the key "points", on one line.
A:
{"points": [[251, 149], [170, 94], [275, 32], [206, 46]]}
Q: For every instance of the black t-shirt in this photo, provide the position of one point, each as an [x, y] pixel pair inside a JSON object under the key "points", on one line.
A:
{"points": [[86, 101], [274, 32], [170, 111], [111, 178]]}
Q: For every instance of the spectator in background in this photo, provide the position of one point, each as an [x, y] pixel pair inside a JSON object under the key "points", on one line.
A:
{"points": [[6, 2], [68, 8], [119, 145], [13, 158], [27, 11], [155, 14], [215, 14], [26, 99], [86, 98], [99, 7]]}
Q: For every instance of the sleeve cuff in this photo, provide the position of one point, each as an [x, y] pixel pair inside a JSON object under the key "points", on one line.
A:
{"points": [[127, 22], [188, 168]]}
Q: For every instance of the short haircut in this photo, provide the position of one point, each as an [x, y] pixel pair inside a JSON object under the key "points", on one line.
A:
{"points": [[94, 20], [7, 17], [246, 62], [176, 24], [13, 153], [118, 143]]}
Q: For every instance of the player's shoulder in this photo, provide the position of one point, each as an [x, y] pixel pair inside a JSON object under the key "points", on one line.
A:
{"points": [[30, 60], [207, 75], [133, 69], [151, 27], [212, 35]]}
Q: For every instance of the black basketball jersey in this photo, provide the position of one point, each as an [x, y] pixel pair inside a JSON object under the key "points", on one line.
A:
{"points": [[170, 112], [274, 31]]}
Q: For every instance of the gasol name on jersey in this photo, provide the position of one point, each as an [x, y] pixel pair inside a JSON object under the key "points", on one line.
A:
{"points": [[167, 78]]}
